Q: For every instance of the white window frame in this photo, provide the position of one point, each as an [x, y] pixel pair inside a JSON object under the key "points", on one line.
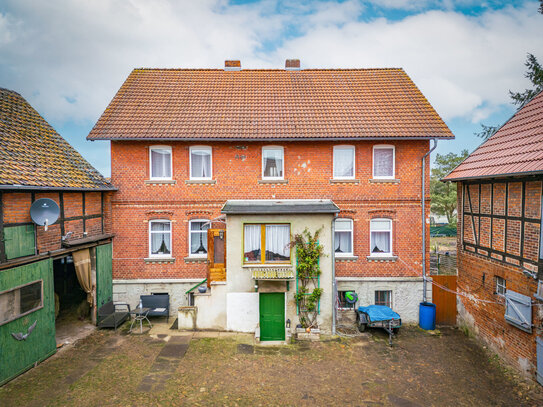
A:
{"points": [[195, 255], [151, 148], [343, 147], [390, 237], [391, 303], [350, 254], [267, 148], [201, 148], [501, 283], [166, 256], [384, 147]]}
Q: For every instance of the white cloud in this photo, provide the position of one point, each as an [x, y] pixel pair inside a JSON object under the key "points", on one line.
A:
{"points": [[69, 57]]}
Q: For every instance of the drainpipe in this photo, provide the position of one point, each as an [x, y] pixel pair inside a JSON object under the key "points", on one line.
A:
{"points": [[423, 201], [334, 285]]}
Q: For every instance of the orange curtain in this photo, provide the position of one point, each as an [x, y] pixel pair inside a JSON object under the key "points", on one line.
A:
{"points": [[82, 263]]}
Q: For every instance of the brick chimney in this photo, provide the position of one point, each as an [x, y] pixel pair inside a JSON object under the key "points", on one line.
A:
{"points": [[232, 65], [292, 64]]}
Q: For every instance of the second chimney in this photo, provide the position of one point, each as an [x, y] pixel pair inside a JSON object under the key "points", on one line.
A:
{"points": [[292, 64], [232, 65]]}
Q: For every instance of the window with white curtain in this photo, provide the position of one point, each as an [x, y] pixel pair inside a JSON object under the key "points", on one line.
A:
{"points": [[276, 243], [198, 237], [381, 237], [200, 163], [343, 162], [160, 238], [272, 162], [383, 161], [160, 159], [343, 237]]}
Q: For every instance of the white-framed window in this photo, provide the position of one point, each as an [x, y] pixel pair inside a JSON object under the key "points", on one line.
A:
{"points": [[381, 237], [344, 162], [383, 298], [273, 162], [20, 301], [160, 238], [343, 237], [160, 162], [201, 163], [198, 237], [384, 161], [276, 243], [501, 285]]}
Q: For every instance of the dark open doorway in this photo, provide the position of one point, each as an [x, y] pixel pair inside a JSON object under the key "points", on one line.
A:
{"points": [[72, 311]]}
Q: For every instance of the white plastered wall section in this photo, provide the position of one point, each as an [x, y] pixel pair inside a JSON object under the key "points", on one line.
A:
{"points": [[406, 293]]}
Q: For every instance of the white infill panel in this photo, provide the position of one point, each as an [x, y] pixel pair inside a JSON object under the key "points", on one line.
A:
{"points": [[242, 312]]}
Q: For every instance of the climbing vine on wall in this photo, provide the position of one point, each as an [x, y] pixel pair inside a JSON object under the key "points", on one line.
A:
{"points": [[308, 253]]}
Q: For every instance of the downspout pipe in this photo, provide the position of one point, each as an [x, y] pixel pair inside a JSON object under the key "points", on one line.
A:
{"points": [[423, 217], [334, 284]]}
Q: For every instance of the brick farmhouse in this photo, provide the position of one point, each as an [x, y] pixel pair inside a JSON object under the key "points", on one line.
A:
{"points": [[36, 262], [499, 239], [261, 154]]}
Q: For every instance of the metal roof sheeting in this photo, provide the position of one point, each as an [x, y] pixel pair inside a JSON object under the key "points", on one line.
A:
{"points": [[286, 206]]}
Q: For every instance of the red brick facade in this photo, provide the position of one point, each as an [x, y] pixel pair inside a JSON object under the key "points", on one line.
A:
{"points": [[16, 210], [237, 169], [507, 244]]}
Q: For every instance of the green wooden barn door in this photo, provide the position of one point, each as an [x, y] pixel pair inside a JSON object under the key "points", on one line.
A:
{"points": [[20, 241], [21, 306], [104, 279], [272, 316]]}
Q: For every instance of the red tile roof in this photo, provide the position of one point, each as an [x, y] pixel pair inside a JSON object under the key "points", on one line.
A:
{"points": [[271, 104], [515, 149], [34, 155]]}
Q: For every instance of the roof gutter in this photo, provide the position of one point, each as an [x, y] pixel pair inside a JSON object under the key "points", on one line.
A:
{"points": [[510, 174], [423, 215], [49, 188], [97, 138]]}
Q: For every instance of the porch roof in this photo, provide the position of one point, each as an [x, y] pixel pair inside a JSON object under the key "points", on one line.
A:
{"points": [[272, 206]]}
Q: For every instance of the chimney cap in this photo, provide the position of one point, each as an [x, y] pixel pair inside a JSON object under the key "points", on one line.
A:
{"points": [[232, 65], [292, 64]]}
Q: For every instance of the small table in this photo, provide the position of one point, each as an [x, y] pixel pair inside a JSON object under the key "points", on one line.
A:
{"points": [[140, 314]]}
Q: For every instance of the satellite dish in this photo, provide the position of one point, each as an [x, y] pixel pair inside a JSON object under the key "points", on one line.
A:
{"points": [[44, 212]]}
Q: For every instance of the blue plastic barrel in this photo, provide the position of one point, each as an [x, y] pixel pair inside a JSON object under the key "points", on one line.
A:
{"points": [[427, 316]]}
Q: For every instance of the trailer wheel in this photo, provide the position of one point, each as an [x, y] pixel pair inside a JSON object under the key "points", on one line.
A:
{"points": [[362, 327], [396, 331]]}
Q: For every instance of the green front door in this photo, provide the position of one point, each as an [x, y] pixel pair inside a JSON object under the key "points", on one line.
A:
{"points": [[272, 316]]}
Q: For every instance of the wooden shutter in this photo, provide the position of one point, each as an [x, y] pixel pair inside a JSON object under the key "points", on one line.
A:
{"points": [[19, 241], [518, 310]]}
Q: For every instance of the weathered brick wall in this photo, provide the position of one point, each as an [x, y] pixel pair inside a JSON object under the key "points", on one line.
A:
{"points": [[477, 272], [237, 169], [16, 209]]}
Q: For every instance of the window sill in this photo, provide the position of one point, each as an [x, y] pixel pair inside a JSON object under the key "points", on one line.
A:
{"points": [[266, 265], [200, 181], [346, 258], [190, 259], [160, 181], [344, 181], [382, 258], [273, 181], [384, 181], [159, 260]]}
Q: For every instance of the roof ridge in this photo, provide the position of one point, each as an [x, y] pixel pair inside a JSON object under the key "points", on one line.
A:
{"points": [[268, 69]]}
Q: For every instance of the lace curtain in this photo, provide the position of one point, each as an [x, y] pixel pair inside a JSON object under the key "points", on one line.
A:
{"points": [[380, 242], [273, 163], [343, 162], [343, 242], [277, 241], [201, 164], [160, 238], [161, 163], [251, 243], [383, 162], [198, 237]]}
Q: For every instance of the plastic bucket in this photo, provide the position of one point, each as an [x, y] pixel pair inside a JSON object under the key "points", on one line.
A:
{"points": [[427, 316]]}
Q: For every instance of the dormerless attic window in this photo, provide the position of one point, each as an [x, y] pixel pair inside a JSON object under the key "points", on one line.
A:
{"points": [[383, 161], [200, 163], [272, 162]]}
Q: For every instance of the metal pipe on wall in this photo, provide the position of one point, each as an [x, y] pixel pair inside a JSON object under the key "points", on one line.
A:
{"points": [[423, 201], [334, 284]]}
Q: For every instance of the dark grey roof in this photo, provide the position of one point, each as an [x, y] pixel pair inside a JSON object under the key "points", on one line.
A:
{"points": [[270, 206]]}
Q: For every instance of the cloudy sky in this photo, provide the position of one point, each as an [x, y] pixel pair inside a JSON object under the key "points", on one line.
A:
{"points": [[69, 57]]}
